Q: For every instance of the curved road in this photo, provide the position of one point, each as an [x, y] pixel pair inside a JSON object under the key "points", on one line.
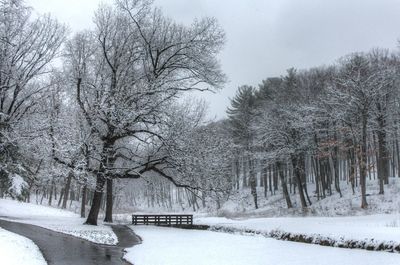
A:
{"points": [[61, 249]]}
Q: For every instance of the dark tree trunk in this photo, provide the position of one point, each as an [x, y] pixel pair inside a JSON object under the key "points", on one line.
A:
{"points": [[383, 159], [237, 172], [265, 177], [107, 159], [336, 161], [203, 200], [322, 173], [275, 178], [253, 182], [96, 201], [109, 201], [363, 162], [352, 169], [83, 203], [61, 197], [298, 170], [270, 178], [244, 168], [284, 185], [51, 191], [66, 189], [316, 174]]}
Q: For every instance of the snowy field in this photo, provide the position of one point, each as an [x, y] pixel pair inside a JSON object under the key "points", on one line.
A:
{"points": [[381, 227], [170, 246], [56, 220], [241, 202], [18, 250]]}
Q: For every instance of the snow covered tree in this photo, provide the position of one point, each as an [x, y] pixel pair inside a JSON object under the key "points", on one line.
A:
{"points": [[142, 62], [27, 47], [283, 129], [358, 88], [385, 65], [240, 116]]}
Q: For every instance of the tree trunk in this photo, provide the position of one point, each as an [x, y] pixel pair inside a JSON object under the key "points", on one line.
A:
{"points": [[107, 158], [335, 162], [275, 178], [253, 182], [51, 191], [383, 160], [109, 201], [96, 202], [270, 178], [237, 172], [83, 203], [352, 169], [322, 172], [298, 169], [284, 186], [316, 174], [265, 177], [61, 196], [244, 168], [363, 162], [66, 190]]}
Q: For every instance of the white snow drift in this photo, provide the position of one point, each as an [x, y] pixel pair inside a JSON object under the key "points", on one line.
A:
{"points": [[18, 250], [56, 220], [381, 227]]}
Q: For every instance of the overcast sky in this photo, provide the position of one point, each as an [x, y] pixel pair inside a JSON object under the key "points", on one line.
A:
{"points": [[266, 37]]}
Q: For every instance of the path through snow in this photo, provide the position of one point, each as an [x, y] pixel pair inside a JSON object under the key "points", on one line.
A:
{"points": [[57, 220], [60, 249]]}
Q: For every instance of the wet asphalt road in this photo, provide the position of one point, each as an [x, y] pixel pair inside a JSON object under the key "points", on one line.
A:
{"points": [[61, 249]]}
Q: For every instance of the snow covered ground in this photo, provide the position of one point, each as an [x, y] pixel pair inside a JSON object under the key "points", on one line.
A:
{"points": [[170, 246], [241, 202], [17, 250], [381, 228], [56, 220]]}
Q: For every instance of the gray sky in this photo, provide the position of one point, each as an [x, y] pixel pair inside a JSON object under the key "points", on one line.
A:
{"points": [[266, 37]]}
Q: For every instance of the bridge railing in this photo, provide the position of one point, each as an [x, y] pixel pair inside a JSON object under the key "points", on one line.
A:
{"points": [[163, 219]]}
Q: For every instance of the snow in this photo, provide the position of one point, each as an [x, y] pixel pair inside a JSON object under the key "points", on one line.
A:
{"points": [[170, 246], [240, 203], [57, 220], [18, 250], [17, 184], [379, 227]]}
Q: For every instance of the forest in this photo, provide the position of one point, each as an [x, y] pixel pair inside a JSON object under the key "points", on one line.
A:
{"points": [[105, 119]]}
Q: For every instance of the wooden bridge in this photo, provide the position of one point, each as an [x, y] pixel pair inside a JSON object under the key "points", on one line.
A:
{"points": [[165, 219]]}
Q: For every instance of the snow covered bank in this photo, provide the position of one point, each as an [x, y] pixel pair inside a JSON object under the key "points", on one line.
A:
{"points": [[241, 202], [170, 246], [18, 250], [374, 232], [57, 220]]}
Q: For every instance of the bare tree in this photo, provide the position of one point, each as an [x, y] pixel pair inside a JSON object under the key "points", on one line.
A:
{"points": [[27, 48], [358, 87], [142, 61]]}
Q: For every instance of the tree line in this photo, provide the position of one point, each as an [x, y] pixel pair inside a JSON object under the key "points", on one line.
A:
{"points": [[324, 125]]}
